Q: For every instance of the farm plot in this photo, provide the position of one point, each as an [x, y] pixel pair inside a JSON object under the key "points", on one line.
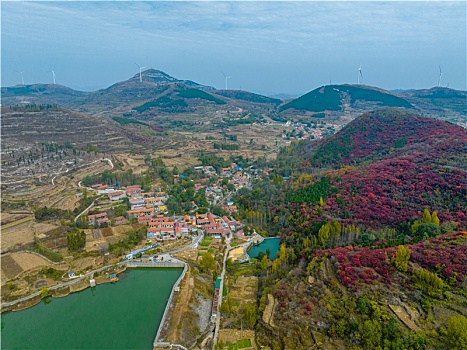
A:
{"points": [[17, 233], [29, 261], [10, 268]]}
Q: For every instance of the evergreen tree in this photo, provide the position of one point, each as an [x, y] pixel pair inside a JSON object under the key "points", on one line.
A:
{"points": [[402, 257], [435, 219], [426, 218]]}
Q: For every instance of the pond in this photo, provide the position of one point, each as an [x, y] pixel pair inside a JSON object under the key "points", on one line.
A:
{"points": [[269, 243], [124, 315]]}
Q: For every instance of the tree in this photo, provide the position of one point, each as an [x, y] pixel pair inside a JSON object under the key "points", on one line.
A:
{"points": [[456, 337], [434, 218], [226, 305], [263, 265], [324, 233], [44, 292], [75, 240], [401, 258], [249, 315], [207, 261], [426, 218], [283, 252], [371, 334]]}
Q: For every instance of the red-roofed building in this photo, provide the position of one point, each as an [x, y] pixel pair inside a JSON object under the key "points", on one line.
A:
{"points": [[136, 189], [116, 195], [119, 220]]}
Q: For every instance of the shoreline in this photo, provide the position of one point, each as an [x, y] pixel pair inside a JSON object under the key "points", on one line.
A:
{"points": [[64, 291], [57, 292], [165, 320], [251, 244]]}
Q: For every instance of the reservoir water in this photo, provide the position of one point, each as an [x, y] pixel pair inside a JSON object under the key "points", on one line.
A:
{"points": [[124, 315], [269, 243]]}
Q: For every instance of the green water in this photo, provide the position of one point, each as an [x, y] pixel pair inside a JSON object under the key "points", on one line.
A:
{"points": [[269, 243], [124, 315]]}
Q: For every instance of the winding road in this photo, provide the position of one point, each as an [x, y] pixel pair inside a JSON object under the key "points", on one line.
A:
{"points": [[67, 170]]}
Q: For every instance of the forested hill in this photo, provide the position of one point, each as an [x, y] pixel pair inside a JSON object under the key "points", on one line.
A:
{"points": [[380, 172], [374, 250], [393, 133], [389, 166]]}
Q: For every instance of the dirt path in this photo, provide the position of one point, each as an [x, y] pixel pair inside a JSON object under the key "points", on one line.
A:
{"points": [[182, 307], [268, 315], [404, 317]]}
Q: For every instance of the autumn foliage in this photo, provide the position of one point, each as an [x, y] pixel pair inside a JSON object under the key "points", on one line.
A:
{"points": [[446, 254]]}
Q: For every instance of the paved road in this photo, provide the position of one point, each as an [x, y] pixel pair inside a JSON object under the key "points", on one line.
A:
{"points": [[87, 209], [61, 285], [218, 318]]}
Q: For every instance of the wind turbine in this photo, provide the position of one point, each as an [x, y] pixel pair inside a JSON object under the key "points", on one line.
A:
{"points": [[359, 74], [440, 75], [53, 75], [226, 77], [140, 69], [22, 78]]}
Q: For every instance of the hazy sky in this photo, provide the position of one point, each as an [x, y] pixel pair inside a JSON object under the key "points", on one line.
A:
{"points": [[266, 47]]}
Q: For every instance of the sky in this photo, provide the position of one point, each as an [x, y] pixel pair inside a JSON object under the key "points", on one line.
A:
{"points": [[266, 47]]}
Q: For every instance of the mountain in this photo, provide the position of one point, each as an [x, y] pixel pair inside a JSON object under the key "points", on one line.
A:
{"points": [[396, 164], [163, 94], [248, 96], [53, 94], [338, 97], [438, 99]]}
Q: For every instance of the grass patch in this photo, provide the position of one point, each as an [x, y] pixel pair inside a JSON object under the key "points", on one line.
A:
{"points": [[48, 253], [209, 238], [244, 343], [232, 346], [234, 244], [205, 244], [244, 270], [210, 250]]}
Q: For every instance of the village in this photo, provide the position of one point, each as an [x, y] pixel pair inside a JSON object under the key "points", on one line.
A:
{"points": [[149, 209]]}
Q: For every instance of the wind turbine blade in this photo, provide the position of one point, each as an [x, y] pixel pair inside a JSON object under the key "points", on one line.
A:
{"points": [[223, 74], [137, 65]]}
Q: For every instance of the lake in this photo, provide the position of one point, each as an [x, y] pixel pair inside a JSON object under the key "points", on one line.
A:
{"points": [[269, 243], [123, 315]]}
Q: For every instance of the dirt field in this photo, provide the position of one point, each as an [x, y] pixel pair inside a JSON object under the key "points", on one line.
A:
{"points": [[8, 218], [83, 263], [231, 336], [29, 261], [244, 290], [44, 228], [10, 268], [134, 162], [17, 233]]}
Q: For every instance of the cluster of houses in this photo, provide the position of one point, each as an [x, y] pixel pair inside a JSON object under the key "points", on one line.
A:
{"points": [[149, 208], [144, 205], [101, 219], [303, 131]]}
